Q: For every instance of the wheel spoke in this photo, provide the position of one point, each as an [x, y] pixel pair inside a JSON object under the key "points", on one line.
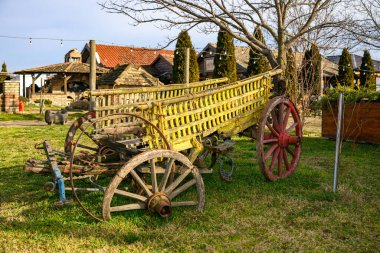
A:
{"points": [[270, 151], [87, 134], [280, 117], [286, 117], [270, 141], [292, 127], [274, 159], [165, 178], [184, 203], [289, 151], [176, 182], [272, 129], [130, 195], [136, 206], [286, 160], [153, 175], [87, 147], [275, 121], [137, 178], [182, 188], [280, 163]]}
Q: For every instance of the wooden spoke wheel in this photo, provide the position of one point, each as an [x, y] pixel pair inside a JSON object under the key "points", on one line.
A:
{"points": [[278, 143], [159, 194], [97, 153], [79, 124]]}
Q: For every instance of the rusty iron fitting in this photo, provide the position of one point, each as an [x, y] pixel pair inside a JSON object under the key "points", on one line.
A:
{"points": [[160, 204]]}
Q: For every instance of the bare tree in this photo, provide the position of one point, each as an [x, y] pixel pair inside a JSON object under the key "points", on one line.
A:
{"points": [[284, 22], [367, 22]]}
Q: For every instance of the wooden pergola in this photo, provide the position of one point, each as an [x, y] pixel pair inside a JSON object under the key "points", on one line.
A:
{"points": [[65, 70]]}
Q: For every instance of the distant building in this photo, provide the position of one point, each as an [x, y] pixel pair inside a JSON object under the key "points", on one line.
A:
{"points": [[73, 56], [157, 62], [65, 83], [127, 76], [356, 63], [206, 61], [162, 68]]}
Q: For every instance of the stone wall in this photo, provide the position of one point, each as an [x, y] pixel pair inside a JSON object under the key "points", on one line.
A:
{"points": [[59, 99], [9, 99]]}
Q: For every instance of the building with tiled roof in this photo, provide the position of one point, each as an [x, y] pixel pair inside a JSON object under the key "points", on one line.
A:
{"points": [[162, 68], [127, 75], [109, 56], [65, 84]]}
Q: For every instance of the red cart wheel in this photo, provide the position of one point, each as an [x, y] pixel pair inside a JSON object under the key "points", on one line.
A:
{"points": [[278, 144]]}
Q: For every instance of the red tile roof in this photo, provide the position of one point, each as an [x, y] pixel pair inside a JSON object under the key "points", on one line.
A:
{"points": [[110, 55]]}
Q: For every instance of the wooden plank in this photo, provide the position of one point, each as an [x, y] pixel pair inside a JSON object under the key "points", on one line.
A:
{"points": [[361, 122]]}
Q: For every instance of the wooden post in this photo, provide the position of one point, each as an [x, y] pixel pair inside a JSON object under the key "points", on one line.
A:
{"points": [[33, 88], [92, 79], [23, 86], [187, 65], [64, 84], [34, 82]]}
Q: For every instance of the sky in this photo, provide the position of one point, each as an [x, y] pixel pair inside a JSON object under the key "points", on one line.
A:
{"points": [[74, 20], [70, 19]]}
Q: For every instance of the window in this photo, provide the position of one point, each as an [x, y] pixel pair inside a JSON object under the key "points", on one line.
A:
{"points": [[378, 84]]}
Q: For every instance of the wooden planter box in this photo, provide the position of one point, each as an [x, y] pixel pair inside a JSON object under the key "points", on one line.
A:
{"points": [[361, 121]]}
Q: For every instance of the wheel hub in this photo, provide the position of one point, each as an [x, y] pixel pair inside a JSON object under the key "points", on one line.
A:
{"points": [[284, 140], [160, 204]]}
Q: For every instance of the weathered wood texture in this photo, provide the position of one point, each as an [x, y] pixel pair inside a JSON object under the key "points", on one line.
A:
{"points": [[185, 113], [361, 121]]}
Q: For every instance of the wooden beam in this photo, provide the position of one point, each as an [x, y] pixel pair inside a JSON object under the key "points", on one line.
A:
{"points": [[65, 79], [34, 78]]}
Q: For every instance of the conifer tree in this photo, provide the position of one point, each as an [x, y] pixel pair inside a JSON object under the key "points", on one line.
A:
{"points": [[4, 67], [258, 63], [345, 74], [4, 76], [179, 62], [367, 78], [311, 69], [291, 76], [224, 59]]}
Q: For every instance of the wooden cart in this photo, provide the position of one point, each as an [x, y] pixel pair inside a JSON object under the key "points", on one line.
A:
{"points": [[146, 148]]}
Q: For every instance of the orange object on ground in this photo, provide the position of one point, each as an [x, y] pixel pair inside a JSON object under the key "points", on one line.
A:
{"points": [[20, 106]]}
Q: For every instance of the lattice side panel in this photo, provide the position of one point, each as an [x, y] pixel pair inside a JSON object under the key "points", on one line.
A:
{"points": [[232, 110]]}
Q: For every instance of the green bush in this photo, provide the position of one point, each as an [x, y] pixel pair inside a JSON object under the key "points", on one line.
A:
{"points": [[24, 99], [350, 94], [47, 102]]}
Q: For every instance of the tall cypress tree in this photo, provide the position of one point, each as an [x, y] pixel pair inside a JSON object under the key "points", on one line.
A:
{"points": [[4, 76], [345, 74], [179, 62], [367, 78], [4, 67], [311, 69], [224, 59], [291, 76], [258, 63]]}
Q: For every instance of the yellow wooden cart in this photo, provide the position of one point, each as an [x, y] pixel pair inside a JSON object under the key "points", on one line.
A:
{"points": [[146, 148]]}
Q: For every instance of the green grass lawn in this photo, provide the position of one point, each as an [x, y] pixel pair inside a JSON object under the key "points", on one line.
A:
{"points": [[33, 116], [249, 214]]}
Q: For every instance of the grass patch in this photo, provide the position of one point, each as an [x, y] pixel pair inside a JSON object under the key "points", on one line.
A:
{"points": [[34, 116], [19, 116], [247, 215]]}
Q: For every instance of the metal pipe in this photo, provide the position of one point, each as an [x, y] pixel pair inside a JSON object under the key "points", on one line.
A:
{"points": [[338, 146]]}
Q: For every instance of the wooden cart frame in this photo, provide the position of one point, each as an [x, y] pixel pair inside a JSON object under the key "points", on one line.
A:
{"points": [[146, 148]]}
